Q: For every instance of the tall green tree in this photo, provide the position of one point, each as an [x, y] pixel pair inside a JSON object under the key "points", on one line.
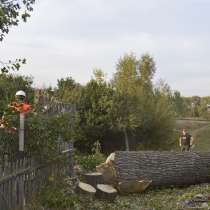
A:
{"points": [[179, 104], [93, 114], [126, 101], [203, 107], [159, 119], [126, 76], [68, 90], [142, 112], [147, 70]]}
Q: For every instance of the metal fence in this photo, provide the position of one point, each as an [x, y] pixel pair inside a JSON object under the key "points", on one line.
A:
{"points": [[21, 179]]}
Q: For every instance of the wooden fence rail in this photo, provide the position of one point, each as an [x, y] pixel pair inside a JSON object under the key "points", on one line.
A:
{"points": [[21, 179]]}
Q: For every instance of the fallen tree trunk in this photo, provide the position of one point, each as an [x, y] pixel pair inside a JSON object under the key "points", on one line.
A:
{"points": [[163, 168]]}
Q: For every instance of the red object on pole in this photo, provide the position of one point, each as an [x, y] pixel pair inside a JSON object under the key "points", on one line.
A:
{"points": [[21, 107]]}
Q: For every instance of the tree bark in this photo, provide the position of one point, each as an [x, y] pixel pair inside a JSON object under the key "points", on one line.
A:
{"points": [[126, 140], [94, 178], [163, 168]]}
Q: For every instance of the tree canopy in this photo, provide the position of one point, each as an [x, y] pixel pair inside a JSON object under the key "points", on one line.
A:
{"points": [[128, 112]]}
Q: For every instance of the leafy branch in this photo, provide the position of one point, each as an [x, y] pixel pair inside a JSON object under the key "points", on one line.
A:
{"points": [[5, 67], [11, 11]]}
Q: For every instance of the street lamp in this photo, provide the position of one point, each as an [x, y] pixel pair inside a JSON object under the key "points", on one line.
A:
{"points": [[21, 98]]}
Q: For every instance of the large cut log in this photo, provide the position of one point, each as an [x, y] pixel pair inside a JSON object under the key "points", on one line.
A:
{"points": [[93, 178], [106, 192], [86, 189], [163, 168]]}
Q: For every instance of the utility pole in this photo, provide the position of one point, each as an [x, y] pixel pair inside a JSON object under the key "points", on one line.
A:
{"points": [[22, 108]]}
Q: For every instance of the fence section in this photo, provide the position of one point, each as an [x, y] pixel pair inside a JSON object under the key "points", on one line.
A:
{"points": [[21, 179]]}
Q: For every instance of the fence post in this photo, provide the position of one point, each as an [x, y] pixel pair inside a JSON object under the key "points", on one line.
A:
{"points": [[69, 159]]}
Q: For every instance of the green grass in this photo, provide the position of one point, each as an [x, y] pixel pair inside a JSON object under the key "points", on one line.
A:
{"points": [[159, 199], [189, 125], [203, 140], [156, 199], [200, 132]]}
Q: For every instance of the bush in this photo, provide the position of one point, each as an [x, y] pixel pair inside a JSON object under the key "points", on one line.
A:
{"points": [[41, 134], [56, 198], [89, 162]]}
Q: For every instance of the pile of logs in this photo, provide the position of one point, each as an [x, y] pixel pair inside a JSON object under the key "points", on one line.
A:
{"points": [[94, 187]]}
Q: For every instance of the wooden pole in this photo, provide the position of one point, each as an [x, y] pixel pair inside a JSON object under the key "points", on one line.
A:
{"points": [[21, 132]]}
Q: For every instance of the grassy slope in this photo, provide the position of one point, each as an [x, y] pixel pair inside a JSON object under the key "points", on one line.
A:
{"points": [[159, 199], [203, 140], [200, 131]]}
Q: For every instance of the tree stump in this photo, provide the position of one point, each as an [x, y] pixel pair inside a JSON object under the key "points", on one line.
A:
{"points": [[86, 189], [94, 178], [106, 192]]}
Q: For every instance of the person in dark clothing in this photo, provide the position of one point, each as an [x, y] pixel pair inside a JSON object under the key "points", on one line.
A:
{"points": [[185, 141]]}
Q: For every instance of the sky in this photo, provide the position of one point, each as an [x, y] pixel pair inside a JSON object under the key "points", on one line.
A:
{"points": [[73, 37]]}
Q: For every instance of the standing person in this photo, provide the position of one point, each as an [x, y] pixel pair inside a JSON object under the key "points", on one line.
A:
{"points": [[185, 141]]}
